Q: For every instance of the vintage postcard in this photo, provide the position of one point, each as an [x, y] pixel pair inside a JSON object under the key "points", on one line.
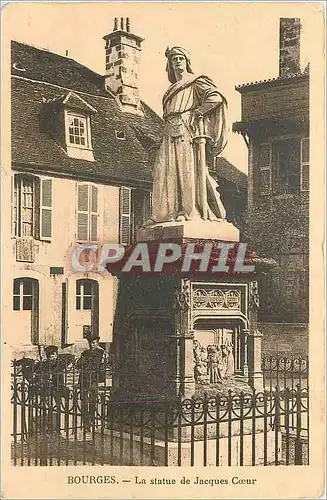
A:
{"points": [[163, 246]]}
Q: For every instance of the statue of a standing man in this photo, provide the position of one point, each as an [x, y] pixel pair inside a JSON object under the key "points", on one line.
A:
{"points": [[194, 112]]}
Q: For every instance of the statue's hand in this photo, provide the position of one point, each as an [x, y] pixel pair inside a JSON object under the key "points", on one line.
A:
{"points": [[215, 149]]}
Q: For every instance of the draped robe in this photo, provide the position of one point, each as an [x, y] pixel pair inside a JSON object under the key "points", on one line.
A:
{"points": [[176, 189]]}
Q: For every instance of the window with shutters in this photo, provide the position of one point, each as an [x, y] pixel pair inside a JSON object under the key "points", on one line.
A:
{"points": [[305, 170], [125, 227], [87, 212], [32, 207]]}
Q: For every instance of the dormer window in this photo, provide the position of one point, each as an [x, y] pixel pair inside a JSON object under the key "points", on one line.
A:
{"points": [[78, 135], [68, 118]]}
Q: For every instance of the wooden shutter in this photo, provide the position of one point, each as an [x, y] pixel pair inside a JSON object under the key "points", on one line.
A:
{"points": [[45, 209], [82, 212], [305, 164], [124, 215], [264, 161], [94, 214]]}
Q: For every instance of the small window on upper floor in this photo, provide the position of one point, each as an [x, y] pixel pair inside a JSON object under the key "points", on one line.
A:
{"points": [[68, 119], [78, 136], [78, 133], [78, 114]]}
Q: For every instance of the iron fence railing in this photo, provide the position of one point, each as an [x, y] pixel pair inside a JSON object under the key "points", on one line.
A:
{"points": [[66, 415], [283, 371]]}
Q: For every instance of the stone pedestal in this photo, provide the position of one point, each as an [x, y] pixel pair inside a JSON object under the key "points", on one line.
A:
{"points": [[161, 321]]}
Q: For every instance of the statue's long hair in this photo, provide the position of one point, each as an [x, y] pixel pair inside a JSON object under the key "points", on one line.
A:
{"points": [[171, 52]]}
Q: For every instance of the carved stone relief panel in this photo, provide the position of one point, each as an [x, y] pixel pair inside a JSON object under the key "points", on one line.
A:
{"points": [[214, 298]]}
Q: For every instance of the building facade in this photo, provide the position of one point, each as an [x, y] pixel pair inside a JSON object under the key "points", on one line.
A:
{"points": [[80, 173], [275, 126], [82, 152]]}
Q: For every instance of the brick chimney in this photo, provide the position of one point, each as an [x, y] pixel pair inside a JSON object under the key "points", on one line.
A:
{"points": [[289, 46], [122, 63]]}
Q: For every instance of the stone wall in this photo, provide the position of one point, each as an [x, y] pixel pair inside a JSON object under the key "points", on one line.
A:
{"points": [[284, 338], [289, 46]]}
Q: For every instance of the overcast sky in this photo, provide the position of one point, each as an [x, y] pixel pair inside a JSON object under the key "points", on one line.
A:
{"points": [[233, 43]]}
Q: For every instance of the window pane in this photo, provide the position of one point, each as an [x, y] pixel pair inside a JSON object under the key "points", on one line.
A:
{"points": [[16, 303], [83, 141], [27, 184], [27, 200], [27, 215], [27, 303], [87, 287], [27, 287], [77, 140], [87, 303], [78, 287], [16, 286], [27, 229], [78, 303]]}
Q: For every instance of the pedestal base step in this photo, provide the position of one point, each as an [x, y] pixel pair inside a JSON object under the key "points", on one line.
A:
{"points": [[124, 449], [197, 229]]}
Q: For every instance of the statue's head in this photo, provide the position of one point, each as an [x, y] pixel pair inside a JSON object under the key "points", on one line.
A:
{"points": [[178, 60]]}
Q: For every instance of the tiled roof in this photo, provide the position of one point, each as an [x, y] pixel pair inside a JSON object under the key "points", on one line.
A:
{"points": [[44, 66], [229, 172], [277, 80], [40, 78], [50, 77]]}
